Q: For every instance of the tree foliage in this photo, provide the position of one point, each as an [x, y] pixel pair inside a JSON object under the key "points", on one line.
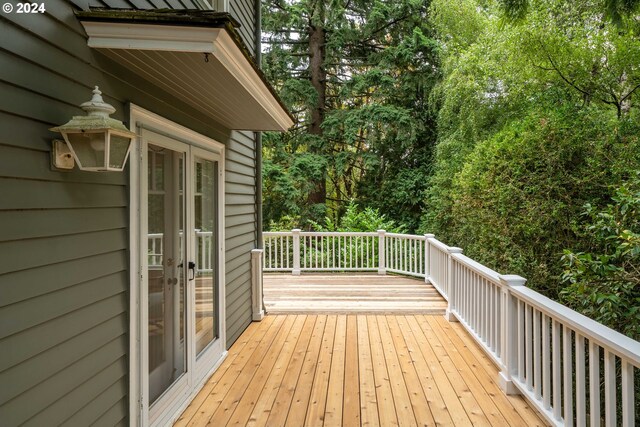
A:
{"points": [[376, 130], [356, 219], [534, 121], [604, 283], [613, 10]]}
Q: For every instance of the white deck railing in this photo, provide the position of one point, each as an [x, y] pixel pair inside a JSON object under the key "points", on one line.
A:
{"points": [[204, 248], [574, 370]]}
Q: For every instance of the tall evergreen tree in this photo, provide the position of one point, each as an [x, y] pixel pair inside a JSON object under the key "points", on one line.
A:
{"points": [[357, 75]]}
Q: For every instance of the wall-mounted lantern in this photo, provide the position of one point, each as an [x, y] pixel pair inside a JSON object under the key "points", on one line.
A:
{"points": [[97, 142]]}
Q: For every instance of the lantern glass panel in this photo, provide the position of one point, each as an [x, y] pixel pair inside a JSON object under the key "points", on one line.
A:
{"points": [[119, 148], [89, 148]]}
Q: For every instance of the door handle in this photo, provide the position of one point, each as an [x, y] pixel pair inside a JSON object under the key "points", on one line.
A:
{"points": [[192, 270]]}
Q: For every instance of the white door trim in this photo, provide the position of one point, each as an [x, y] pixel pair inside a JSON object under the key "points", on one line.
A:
{"points": [[138, 341]]}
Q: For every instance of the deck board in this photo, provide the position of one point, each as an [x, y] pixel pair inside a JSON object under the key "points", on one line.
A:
{"points": [[356, 370], [352, 293]]}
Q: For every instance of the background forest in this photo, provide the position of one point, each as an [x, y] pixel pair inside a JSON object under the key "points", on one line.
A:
{"points": [[510, 129]]}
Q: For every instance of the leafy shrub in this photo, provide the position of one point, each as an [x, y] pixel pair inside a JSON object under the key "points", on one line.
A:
{"points": [[354, 219], [604, 283], [515, 204]]}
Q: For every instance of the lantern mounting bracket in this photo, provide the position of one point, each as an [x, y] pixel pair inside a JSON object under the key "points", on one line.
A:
{"points": [[61, 157]]}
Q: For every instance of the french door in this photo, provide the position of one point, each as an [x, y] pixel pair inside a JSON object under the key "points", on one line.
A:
{"points": [[181, 282]]}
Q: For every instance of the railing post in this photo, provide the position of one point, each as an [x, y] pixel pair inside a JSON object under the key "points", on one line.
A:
{"points": [[509, 333], [382, 262], [427, 257], [296, 251], [256, 285], [451, 284]]}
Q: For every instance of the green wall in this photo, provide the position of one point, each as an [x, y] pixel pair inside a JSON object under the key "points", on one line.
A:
{"points": [[64, 261]]}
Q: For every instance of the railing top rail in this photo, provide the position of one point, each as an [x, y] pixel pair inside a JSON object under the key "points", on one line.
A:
{"points": [[405, 236], [320, 234], [337, 233], [484, 271], [438, 244], [604, 336]]}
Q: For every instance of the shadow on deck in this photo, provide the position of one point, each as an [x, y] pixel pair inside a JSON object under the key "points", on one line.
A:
{"points": [[350, 294], [356, 370]]}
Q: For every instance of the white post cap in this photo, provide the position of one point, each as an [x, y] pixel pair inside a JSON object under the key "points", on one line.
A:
{"points": [[512, 280]]}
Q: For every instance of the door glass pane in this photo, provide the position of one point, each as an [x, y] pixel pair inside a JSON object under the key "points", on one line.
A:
{"points": [[205, 220], [166, 284]]}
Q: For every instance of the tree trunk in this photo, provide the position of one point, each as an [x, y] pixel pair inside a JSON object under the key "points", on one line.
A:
{"points": [[318, 74]]}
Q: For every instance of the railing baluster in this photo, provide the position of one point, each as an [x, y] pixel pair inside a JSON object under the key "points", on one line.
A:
{"points": [[521, 341], [429, 258], [369, 253], [482, 308], [594, 383], [304, 247], [529, 340], [467, 293], [499, 319], [557, 373], [333, 252], [628, 408], [287, 254], [406, 254], [537, 377], [413, 251], [486, 320], [400, 254], [296, 251], [452, 286], [609, 389], [490, 312], [344, 251], [546, 362], [382, 252], [351, 251], [270, 262], [394, 253], [478, 308], [474, 297], [581, 392], [495, 319], [567, 367], [419, 258], [274, 246], [512, 338]]}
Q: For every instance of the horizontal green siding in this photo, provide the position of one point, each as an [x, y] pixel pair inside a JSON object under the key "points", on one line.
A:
{"points": [[244, 12], [64, 236], [241, 233]]}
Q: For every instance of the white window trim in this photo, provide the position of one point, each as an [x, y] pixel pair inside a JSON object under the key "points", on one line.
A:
{"points": [[141, 118]]}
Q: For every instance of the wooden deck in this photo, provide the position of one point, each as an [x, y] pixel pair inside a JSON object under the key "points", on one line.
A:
{"points": [[355, 370], [349, 293]]}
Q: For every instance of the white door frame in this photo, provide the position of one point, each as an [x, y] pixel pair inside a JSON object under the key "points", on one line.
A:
{"points": [[196, 375]]}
